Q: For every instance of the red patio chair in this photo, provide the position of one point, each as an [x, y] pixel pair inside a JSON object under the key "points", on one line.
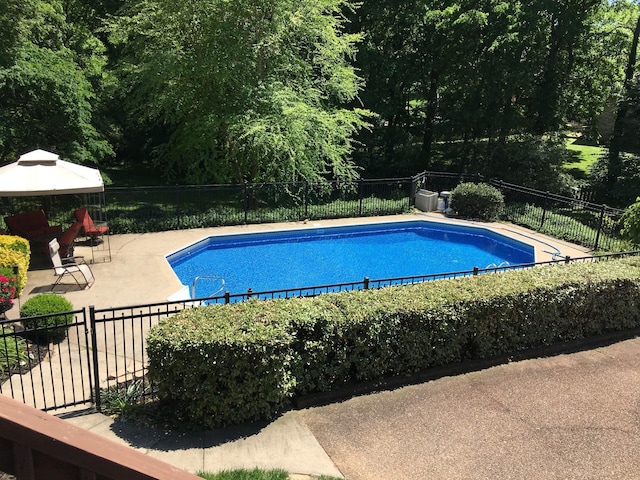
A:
{"points": [[68, 239], [89, 229]]}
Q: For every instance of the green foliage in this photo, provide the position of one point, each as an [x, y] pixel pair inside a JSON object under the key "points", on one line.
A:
{"points": [[222, 366], [533, 161], [46, 92], [631, 224], [15, 251], [122, 401], [239, 362], [477, 201], [259, 91], [255, 474], [13, 351], [470, 72], [244, 474], [46, 326], [627, 185]]}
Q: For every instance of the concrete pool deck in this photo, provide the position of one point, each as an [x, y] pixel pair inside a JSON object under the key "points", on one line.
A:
{"points": [[138, 272], [302, 442]]}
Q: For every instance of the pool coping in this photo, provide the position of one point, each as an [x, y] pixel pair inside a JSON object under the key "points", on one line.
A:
{"points": [[139, 274], [545, 248]]}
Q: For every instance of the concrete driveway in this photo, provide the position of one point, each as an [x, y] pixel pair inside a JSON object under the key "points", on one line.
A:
{"points": [[572, 416]]}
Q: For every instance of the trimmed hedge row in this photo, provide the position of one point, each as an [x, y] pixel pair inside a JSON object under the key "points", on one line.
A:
{"points": [[227, 364]]}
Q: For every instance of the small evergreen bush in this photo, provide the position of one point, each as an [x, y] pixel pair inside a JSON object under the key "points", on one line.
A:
{"points": [[631, 224], [477, 201], [45, 326]]}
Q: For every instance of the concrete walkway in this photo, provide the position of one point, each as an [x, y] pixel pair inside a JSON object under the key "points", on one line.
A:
{"points": [[385, 431], [571, 416]]}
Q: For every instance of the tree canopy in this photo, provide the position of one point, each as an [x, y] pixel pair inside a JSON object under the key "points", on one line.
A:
{"points": [[257, 90], [254, 90], [50, 76]]}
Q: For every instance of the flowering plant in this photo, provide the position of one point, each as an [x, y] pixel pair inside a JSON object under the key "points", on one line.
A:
{"points": [[8, 288]]}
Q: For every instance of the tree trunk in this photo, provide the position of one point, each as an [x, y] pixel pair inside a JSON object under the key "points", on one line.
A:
{"points": [[615, 163], [548, 88], [430, 116]]}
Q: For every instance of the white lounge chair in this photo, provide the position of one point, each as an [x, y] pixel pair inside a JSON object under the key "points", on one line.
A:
{"points": [[70, 265]]}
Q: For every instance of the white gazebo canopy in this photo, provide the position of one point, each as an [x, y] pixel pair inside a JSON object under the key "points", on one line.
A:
{"points": [[43, 173]]}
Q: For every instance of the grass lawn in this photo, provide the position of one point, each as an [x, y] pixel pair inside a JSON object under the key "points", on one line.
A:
{"points": [[255, 474], [584, 156]]}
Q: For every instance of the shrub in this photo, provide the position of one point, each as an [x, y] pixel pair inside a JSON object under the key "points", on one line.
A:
{"points": [[235, 363], [222, 366], [533, 161], [13, 351], [15, 251], [477, 201], [627, 184], [39, 319], [631, 224], [123, 400]]}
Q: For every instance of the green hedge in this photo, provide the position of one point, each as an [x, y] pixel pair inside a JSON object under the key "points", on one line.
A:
{"points": [[227, 364], [477, 201], [222, 365]]}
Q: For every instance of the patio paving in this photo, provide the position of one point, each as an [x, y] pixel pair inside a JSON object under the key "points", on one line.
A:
{"points": [[569, 416], [139, 274]]}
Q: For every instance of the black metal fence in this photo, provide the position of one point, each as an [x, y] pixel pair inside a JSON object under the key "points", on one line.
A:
{"points": [[149, 209], [104, 351], [567, 218], [44, 373], [103, 356]]}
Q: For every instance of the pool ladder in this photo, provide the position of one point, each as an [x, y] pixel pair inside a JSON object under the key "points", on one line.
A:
{"points": [[208, 277], [493, 265]]}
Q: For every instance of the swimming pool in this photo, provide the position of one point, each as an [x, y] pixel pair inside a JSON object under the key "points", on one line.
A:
{"points": [[312, 256]]}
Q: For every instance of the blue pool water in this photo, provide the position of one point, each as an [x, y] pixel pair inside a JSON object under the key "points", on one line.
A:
{"points": [[322, 256]]}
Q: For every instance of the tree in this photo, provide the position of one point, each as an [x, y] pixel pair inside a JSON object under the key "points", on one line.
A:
{"points": [[629, 89], [249, 90], [386, 59], [46, 97]]}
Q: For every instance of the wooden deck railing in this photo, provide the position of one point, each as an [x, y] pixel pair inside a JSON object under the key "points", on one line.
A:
{"points": [[35, 445]]}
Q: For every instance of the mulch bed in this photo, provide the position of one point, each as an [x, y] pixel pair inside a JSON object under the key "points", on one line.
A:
{"points": [[36, 352]]}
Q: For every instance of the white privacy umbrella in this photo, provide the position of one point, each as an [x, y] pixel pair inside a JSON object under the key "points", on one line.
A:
{"points": [[43, 173]]}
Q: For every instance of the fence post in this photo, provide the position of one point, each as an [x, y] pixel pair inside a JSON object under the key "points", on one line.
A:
{"points": [[475, 270], [600, 222], [360, 197], [245, 201], [412, 190], [366, 283], [544, 210], [227, 297], [94, 348], [306, 199], [567, 260], [178, 206]]}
